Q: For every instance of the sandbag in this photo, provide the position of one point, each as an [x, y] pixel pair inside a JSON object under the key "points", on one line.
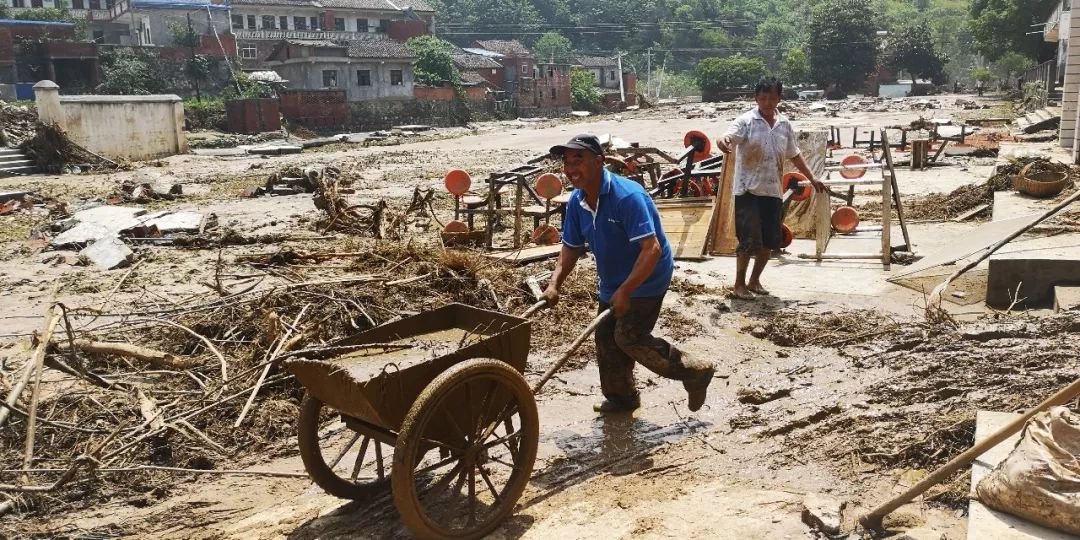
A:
{"points": [[1040, 480]]}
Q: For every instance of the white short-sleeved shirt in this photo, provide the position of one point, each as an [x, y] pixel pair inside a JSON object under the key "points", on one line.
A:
{"points": [[760, 153]]}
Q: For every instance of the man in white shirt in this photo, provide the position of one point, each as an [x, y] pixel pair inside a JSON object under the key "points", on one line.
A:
{"points": [[762, 140]]}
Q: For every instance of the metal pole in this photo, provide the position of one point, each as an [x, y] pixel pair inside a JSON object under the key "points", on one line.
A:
{"points": [[622, 91], [648, 71]]}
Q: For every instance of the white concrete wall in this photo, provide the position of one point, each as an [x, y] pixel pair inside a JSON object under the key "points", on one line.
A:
{"points": [[1071, 86], [121, 127], [307, 74]]}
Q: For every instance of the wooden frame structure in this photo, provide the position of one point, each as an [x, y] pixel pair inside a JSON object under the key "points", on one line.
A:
{"points": [[890, 202]]}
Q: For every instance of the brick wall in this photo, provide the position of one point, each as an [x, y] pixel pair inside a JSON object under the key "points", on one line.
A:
{"points": [[319, 110], [384, 114], [253, 115], [446, 93], [403, 30]]}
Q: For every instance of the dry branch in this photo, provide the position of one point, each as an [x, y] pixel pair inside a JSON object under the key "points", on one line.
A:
{"points": [[156, 358]]}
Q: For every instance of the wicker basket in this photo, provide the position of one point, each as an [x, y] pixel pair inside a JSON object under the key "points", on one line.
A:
{"points": [[1040, 184]]}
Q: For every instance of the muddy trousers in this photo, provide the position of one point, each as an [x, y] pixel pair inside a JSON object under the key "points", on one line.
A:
{"points": [[628, 340]]}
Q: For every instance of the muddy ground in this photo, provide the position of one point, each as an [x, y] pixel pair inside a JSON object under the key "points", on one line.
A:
{"points": [[837, 386]]}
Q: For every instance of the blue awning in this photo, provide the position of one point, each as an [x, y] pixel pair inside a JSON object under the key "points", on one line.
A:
{"points": [[20, 22], [178, 4]]}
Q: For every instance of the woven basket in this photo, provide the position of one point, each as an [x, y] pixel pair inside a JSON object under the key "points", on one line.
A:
{"points": [[1040, 184]]}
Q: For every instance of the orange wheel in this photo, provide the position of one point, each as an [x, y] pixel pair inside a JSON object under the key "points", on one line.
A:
{"points": [[845, 219], [456, 226], [548, 186], [852, 174], [695, 134], [803, 192], [786, 238], [545, 235], [457, 182]]}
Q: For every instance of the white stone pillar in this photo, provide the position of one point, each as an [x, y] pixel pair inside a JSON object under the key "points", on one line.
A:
{"points": [[47, 100]]}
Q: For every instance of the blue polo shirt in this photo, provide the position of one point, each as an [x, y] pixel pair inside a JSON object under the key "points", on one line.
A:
{"points": [[624, 215]]}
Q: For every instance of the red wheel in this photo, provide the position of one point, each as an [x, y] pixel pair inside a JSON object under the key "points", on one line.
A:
{"points": [[548, 186], [545, 235], [786, 237], [845, 219], [694, 134], [457, 182], [803, 192], [852, 174], [456, 226]]}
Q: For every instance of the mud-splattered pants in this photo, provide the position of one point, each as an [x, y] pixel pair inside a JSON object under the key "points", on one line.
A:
{"points": [[622, 342]]}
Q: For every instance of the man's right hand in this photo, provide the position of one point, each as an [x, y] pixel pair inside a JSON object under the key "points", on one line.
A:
{"points": [[724, 143], [551, 295]]}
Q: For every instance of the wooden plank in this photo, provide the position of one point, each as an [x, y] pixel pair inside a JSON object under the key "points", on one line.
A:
{"points": [[987, 524], [970, 213], [722, 239], [686, 225], [526, 255], [896, 193]]}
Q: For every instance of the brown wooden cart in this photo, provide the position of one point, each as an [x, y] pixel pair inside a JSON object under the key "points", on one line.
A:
{"points": [[444, 391]]}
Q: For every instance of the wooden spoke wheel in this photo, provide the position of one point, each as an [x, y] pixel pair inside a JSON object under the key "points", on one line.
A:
{"points": [[344, 462], [481, 418]]}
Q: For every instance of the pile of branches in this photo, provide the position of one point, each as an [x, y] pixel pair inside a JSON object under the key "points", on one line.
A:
{"points": [[54, 152], [156, 392], [789, 328], [16, 123]]}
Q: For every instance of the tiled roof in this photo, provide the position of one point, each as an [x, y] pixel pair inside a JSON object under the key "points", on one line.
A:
{"points": [[381, 5], [594, 61], [475, 61], [501, 46], [314, 43], [472, 78], [378, 48]]}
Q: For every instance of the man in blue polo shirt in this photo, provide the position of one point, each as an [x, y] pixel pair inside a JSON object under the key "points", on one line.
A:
{"points": [[618, 220]]}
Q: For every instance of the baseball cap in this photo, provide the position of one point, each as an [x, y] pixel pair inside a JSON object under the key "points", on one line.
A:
{"points": [[579, 142]]}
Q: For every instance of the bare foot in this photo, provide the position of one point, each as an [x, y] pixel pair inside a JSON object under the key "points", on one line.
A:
{"points": [[742, 293], [756, 288]]}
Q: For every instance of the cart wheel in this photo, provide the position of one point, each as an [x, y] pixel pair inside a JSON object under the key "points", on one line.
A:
{"points": [[487, 404], [353, 471]]}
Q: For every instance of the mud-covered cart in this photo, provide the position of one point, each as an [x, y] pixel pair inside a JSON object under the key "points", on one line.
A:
{"points": [[444, 392]]}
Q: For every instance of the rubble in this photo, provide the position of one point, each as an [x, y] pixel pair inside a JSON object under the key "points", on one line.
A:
{"points": [[823, 513], [107, 253], [17, 123], [106, 221]]}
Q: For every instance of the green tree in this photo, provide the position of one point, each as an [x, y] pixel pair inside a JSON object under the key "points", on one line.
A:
{"points": [[911, 49], [127, 72], [842, 44], [1010, 65], [795, 67], [1002, 26], [434, 63], [584, 96], [718, 74], [553, 47], [981, 73]]}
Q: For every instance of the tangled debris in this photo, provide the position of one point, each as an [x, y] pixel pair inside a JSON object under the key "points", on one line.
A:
{"points": [[54, 152], [789, 328], [18, 123], [157, 389]]}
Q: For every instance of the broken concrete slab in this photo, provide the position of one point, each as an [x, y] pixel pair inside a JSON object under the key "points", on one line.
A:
{"points": [[987, 524], [823, 513], [1066, 298], [101, 221], [170, 222], [275, 150], [1028, 282], [108, 253]]}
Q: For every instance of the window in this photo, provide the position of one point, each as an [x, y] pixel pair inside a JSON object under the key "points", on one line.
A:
{"points": [[249, 51], [361, 25], [611, 76], [284, 22], [238, 22], [268, 22], [314, 23], [78, 4], [329, 78], [552, 94], [251, 22], [395, 77], [339, 24], [94, 4], [524, 69], [494, 71], [299, 23], [363, 77], [36, 3], [384, 25]]}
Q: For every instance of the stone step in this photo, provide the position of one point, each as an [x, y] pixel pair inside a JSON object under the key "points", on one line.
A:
{"points": [[15, 171], [1066, 298], [10, 164], [10, 152]]}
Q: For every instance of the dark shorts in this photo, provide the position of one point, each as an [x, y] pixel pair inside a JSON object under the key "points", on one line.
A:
{"points": [[757, 223]]}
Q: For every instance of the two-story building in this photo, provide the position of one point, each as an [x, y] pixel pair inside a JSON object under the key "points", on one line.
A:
{"points": [[516, 59], [605, 70], [366, 68], [155, 23], [259, 25]]}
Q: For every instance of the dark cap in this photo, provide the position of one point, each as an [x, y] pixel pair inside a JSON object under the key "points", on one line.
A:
{"points": [[579, 142]]}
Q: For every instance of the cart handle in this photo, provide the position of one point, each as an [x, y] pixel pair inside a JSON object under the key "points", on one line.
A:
{"points": [[573, 347]]}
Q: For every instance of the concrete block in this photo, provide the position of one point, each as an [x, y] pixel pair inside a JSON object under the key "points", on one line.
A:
{"points": [[93, 223], [170, 222], [823, 513], [108, 253], [1032, 281], [1066, 298]]}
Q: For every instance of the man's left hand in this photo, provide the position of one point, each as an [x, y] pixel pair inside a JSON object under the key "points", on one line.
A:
{"points": [[620, 302]]}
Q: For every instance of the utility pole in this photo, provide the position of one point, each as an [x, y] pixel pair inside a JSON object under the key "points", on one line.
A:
{"points": [[622, 91], [648, 71], [193, 67], [660, 83]]}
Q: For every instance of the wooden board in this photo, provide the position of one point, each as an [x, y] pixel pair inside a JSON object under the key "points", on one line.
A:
{"points": [[722, 239], [527, 255], [686, 225]]}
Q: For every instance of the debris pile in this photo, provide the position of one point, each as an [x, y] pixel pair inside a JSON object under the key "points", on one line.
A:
{"points": [[789, 328], [54, 152], [17, 123]]}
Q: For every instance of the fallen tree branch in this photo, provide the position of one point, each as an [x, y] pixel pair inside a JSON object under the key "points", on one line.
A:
{"points": [[38, 356], [154, 357]]}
